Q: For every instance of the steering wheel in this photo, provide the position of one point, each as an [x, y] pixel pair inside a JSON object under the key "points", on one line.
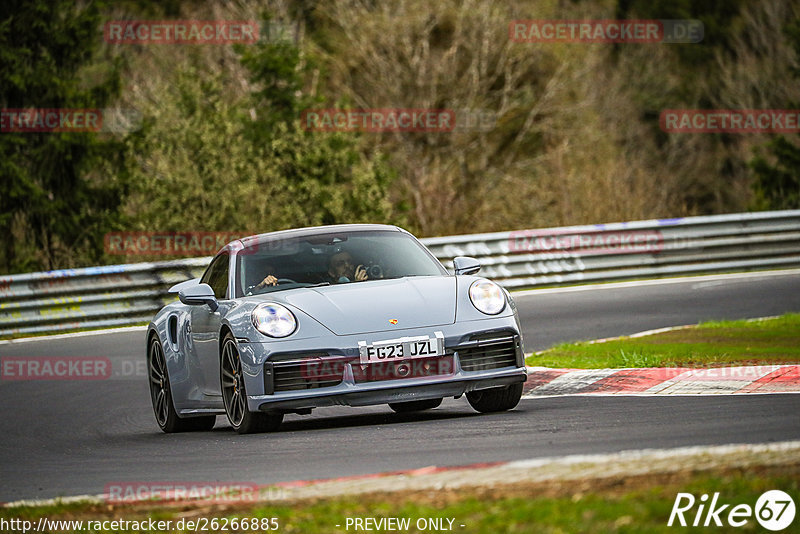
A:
{"points": [[278, 282]]}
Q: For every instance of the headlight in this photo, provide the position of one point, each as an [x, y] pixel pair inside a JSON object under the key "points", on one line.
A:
{"points": [[487, 297], [274, 320]]}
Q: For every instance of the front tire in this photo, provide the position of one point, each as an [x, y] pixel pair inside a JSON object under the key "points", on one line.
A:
{"points": [[234, 394], [161, 395], [415, 406], [495, 399]]}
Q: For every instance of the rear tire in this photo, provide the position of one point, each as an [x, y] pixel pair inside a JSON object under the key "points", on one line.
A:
{"points": [[495, 399], [160, 393], [415, 406], [234, 394]]}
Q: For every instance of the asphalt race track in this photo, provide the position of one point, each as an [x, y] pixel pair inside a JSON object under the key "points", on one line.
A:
{"points": [[62, 438]]}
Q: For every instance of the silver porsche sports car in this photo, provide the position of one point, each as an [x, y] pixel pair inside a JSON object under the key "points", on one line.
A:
{"points": [[352, 315]]}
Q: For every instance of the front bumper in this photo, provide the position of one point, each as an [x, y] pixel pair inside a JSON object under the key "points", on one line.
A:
{"points": [[478, 356], [350, 393]]}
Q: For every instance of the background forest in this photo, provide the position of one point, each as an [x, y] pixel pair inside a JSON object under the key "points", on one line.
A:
{"points": [[548, 134]]}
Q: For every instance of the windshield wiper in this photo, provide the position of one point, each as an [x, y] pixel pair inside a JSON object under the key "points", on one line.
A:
{"points": [[283, 287]]}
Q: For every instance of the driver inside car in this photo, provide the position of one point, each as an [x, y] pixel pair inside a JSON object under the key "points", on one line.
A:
{"points": [[341, 269], [269, 280]]}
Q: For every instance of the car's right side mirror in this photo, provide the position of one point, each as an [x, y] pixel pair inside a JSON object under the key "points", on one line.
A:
{"points": [[466, 265]]}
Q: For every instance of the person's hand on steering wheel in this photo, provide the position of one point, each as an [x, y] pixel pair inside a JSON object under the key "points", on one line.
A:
{"points": [[268, 281]]}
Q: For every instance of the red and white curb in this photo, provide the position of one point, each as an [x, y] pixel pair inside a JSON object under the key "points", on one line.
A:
{"points": [[543, 381], [573, 467]]}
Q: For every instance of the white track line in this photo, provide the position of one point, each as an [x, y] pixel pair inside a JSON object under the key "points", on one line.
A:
{"points": [[658, 281], [76, 334]]}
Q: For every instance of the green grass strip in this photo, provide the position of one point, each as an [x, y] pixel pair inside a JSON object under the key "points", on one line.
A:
{"points": [[710, 344], [638, 505]]}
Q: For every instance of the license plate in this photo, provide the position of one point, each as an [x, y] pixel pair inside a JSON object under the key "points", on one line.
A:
{"points": [[404, 348]]}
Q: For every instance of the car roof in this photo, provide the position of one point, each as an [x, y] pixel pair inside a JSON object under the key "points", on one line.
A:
{"points": [[315, 230]]}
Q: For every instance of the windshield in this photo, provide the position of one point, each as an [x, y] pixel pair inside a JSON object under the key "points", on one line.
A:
{"points": [[331, 258]]}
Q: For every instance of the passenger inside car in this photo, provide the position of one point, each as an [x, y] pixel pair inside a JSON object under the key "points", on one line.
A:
{"points": [[342, 269]]}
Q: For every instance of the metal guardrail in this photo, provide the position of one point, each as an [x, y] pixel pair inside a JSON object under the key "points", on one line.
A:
{"points": [[68, 299], [118, 295]]}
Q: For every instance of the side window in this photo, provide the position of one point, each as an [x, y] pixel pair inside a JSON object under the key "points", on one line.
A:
{"points": [[217, 276]]}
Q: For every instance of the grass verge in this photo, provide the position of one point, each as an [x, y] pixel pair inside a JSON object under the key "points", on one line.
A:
{"points": [[710, 344], [615, 504]]}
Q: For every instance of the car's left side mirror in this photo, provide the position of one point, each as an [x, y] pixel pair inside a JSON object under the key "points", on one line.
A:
{"points": [[466, 265], [177, 288], [197, 295]]}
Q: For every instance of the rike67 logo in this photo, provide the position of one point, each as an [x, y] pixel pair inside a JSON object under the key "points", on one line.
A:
{"points": [[774, 510]]}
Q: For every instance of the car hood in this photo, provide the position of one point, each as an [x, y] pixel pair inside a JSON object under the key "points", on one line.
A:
{"points": [[377, 305]]}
